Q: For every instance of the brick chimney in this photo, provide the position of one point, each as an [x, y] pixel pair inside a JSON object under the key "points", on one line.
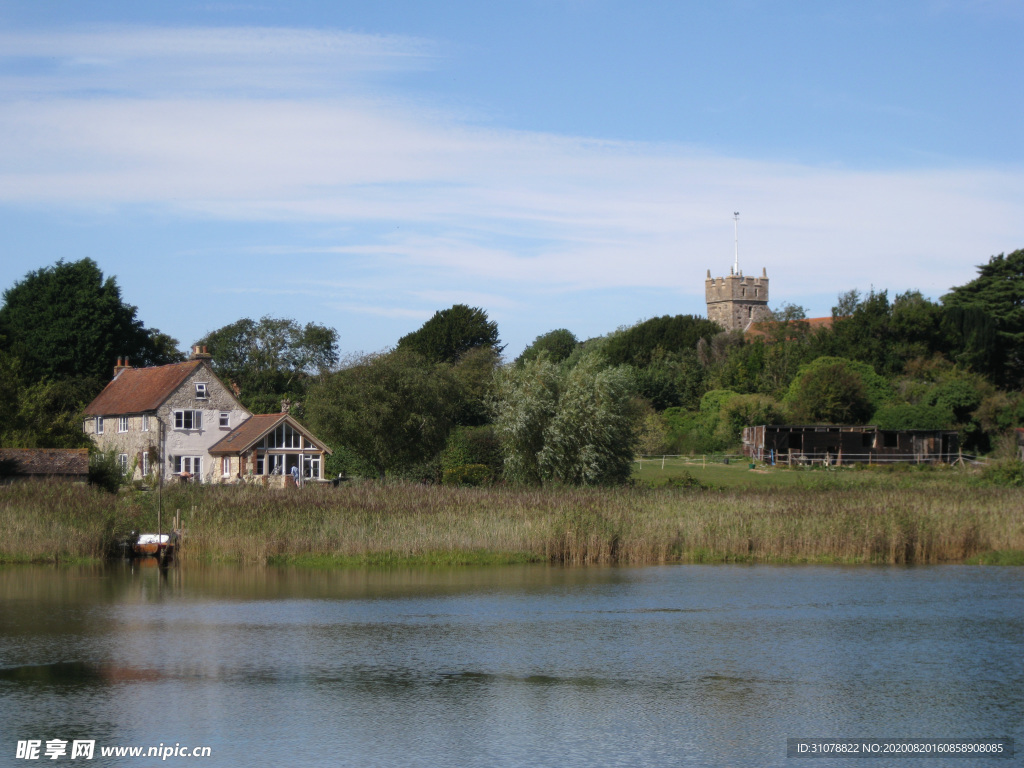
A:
{"points": [[122, 365], [199, 353]]}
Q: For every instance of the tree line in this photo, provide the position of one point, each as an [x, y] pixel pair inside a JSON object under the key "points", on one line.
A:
{"points": [[445, 405]]}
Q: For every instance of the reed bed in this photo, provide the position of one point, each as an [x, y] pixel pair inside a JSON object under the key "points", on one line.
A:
{"points": [[370, 523]]}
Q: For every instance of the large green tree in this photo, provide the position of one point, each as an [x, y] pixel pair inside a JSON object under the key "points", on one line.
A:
{"points": [[391, 410], [271, 358], [451, 333], [558, 344], [998, 292], [68, 321], [658, 337], [574, 427], [833, 390]]}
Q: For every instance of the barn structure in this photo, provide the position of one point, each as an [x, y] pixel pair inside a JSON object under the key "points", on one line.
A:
{"points": [[832, 444]]}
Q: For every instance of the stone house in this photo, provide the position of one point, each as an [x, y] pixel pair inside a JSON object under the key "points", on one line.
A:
{"points": [[164, 420]]}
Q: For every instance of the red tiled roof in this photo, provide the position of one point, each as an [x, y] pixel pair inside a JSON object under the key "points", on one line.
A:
{"points": [[810, 323], [138, 390], [44, 461], [250, 431]]}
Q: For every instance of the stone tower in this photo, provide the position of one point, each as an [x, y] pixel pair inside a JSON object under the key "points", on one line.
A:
{"points": [[736, 301]]}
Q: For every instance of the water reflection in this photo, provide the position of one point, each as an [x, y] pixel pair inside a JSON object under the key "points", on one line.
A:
{"points": [[509, 666]]}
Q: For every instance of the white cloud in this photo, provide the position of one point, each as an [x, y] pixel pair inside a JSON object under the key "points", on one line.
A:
{"points": [[275, 125]]}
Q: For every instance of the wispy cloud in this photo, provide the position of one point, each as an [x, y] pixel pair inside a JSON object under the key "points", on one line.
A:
{"points": [[278, 125]]}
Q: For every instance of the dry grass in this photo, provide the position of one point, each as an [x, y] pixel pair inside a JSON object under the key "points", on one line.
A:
{"points": [[367, 523]]}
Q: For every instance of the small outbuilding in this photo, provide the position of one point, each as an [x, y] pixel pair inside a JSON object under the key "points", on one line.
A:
{"points": [[44, 464], [834, 444]]}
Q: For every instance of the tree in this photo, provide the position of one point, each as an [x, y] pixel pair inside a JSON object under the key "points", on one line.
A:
{"points": [[833, 390], [451, 333], [272, 358], [391, 410], [575, 427], [653, 339], [558, 345], [67, 321], [998, 291]]}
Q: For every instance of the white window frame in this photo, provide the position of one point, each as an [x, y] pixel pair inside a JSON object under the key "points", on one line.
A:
{"points": [[191, 464], [202, 390], [225, 420], [145, 462], [99, 425], [196, 419], [225, 466], [123, 423], [122, 462], [145, 422]]}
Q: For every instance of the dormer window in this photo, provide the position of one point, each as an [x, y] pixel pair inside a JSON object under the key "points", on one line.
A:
{"points": [[201, 391]]}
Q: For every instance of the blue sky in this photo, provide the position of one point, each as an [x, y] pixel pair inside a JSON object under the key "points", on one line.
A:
{"points": [[560, 163]]}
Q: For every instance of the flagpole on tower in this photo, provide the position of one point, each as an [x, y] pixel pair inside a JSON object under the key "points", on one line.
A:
{"points": [[736, 234]]}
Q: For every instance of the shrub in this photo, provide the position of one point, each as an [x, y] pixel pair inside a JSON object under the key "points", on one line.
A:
{"points": [[105, 472], [467, 474]]}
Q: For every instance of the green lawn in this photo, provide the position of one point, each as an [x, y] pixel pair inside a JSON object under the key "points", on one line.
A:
{"points": [[737, 474]]}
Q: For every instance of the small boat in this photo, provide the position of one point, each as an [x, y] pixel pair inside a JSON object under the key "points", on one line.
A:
{"points": [[154, 545]]}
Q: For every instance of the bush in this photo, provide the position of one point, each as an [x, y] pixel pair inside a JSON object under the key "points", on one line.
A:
{"points": [[467, 474], [1005, 472], [105, 472]]}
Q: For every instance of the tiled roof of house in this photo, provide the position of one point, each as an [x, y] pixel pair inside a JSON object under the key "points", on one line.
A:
{"points": [[139, 390], [44, 461], [252, 430]]}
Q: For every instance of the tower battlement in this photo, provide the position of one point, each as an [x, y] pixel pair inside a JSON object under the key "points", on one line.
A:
{"points": [[736, 301]]}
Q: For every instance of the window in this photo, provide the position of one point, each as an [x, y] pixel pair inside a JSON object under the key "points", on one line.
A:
{"points": [[225, 419], [122, 423], [225, 466], [192, 465], [311, 467], [145, 463], [99, 425], [188, 419], [201, 392], [145, 422], [122, 462]]}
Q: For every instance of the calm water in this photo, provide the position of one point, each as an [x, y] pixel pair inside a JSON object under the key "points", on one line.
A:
{"points": [[533, 666]]}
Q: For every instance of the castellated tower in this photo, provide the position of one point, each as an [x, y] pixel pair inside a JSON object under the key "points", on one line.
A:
{"points": [[736, 301]]}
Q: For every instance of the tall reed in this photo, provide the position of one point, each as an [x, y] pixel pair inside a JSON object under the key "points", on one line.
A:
{"points": [[366, 523]]}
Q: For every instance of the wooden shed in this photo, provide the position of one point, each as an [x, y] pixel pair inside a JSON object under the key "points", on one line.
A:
{"points": [[833, 444]]}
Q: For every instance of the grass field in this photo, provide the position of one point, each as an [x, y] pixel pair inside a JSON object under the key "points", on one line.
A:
{"points": [[656, 472]]}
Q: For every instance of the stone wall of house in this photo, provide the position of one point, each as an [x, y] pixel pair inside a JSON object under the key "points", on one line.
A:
{"points": [[140, 443], [736, 301], [197, 442]]}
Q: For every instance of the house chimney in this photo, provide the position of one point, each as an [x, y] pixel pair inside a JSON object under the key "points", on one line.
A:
{"points": [[285, 405], [199, 352], [122, 365]]}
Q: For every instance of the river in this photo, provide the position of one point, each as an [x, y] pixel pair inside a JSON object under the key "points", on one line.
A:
{"points": [[507, 666]]}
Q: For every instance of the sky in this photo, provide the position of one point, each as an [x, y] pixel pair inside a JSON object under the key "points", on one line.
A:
{"points": [[560, 163]]}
